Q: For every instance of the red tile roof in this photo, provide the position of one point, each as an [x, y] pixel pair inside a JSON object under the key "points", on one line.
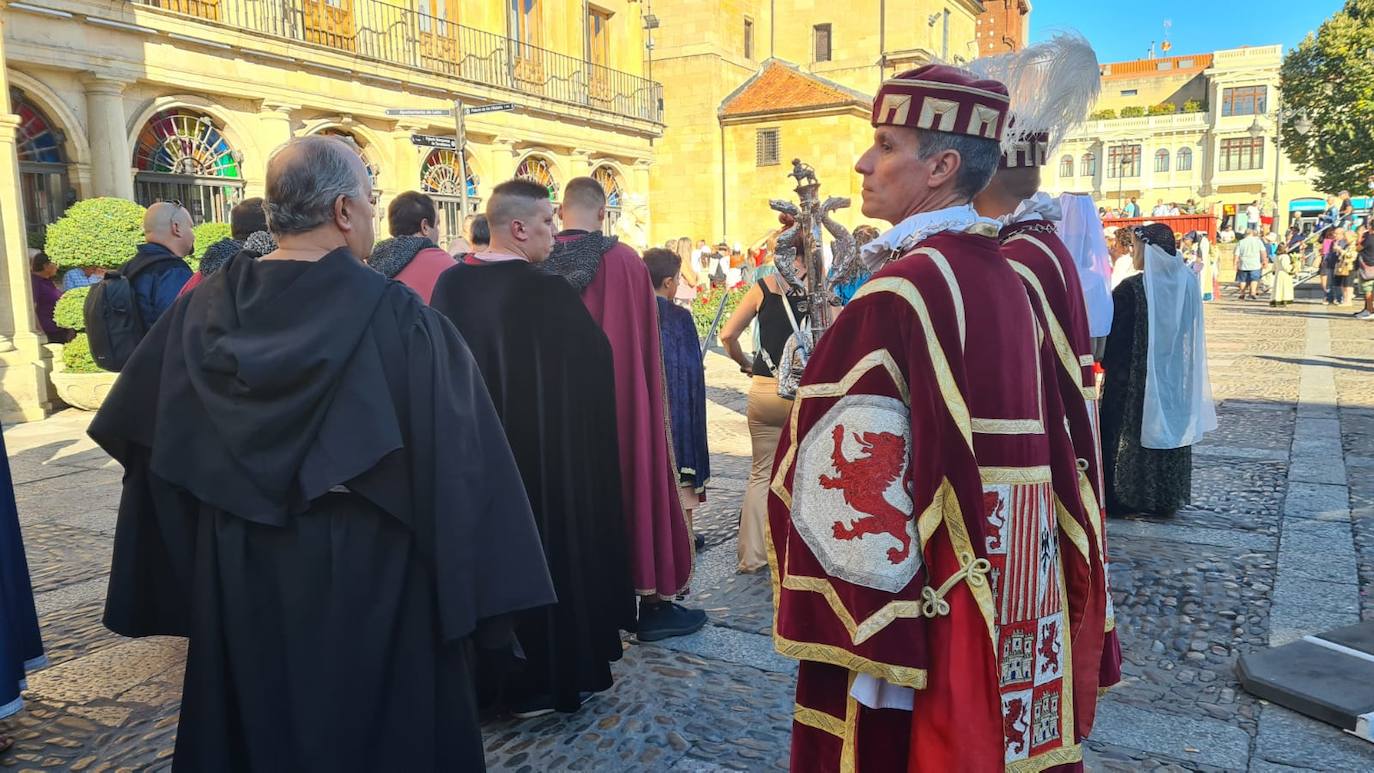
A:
{"points": [[778, 87]]}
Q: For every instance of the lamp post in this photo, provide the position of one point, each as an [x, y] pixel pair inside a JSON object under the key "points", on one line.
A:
{"points": [[1301, 124]]}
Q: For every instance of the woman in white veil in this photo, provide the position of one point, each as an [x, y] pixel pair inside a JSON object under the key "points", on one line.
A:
{"points": [[1157, 397]]}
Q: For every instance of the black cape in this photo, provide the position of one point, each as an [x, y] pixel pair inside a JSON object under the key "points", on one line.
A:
{"points": [[548, 367], [318, 493]]}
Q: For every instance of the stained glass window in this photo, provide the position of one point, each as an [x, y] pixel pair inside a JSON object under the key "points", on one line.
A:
{"points": [[37, 140], [538, 169], [182, 142], [440, 174], [610, 183]]}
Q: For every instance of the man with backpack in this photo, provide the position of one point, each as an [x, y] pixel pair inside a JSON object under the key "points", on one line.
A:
{"points": [[125, 304], [159, 268]]}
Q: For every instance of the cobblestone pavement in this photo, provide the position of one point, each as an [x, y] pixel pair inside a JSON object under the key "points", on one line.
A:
{"points": [[1279, 542]]}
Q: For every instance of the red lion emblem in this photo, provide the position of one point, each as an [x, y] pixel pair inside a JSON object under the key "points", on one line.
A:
{"points": [[863, 481], [1048, 649], [992, 502], [1013, 727]]}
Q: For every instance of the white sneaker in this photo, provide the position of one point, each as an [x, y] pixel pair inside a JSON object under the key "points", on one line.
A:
{"points": [[1362, 314]]}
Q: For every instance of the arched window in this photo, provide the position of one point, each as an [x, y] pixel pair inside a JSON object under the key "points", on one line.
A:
{"points": [[1066, 166], [610, 183], [538, 169], [1161, 160], [1088, 165], [42, 168], [1183, 161], [439, 176], [181, 155]]}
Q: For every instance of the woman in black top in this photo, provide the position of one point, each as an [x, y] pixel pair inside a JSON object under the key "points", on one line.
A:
{"points": [[767, 412]]}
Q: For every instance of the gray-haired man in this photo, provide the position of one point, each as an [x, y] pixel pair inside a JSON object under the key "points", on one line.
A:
{"points": [[319, 495]]}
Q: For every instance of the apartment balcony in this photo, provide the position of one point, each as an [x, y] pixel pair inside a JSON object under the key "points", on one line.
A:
{"points": [[1144, 126], [385, 32]]}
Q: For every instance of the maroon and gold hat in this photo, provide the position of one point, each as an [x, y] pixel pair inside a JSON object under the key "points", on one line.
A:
{"points": [[1026, 150], [941, 98]]}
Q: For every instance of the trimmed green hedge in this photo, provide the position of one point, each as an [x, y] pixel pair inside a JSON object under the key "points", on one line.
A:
{"points": [[206, 235], [101, 232], [70, 309], [1163, 108], [1132, 111], [76, 355]]}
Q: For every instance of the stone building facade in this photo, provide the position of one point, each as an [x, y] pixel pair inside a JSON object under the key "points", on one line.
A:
{"points": [[187, 99], [1217, 147]]}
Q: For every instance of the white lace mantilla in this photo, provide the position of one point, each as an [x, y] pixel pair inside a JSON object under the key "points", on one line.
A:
{"points": [[907, 234]]}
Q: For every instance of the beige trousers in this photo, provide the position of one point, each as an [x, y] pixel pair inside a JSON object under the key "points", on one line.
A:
{"points": [[767, 413]]}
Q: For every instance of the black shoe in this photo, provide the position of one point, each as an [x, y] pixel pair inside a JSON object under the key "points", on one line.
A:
{"points": [[665, 620], [700, 542], [533, 706]]}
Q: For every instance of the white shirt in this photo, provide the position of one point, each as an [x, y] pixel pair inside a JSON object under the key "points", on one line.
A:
{"points": [[1160, 211]]}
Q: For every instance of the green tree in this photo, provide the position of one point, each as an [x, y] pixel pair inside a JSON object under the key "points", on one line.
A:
{"points": [[1330, 76], [1103, 115], [1192, 106], [1163, 108], [1132, 111]]}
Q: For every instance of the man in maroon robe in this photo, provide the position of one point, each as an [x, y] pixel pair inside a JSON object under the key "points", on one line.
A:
{"points": [[1042, 111], [616, 289], [931, 571]]}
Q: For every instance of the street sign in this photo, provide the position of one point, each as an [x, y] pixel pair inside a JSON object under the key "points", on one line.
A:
{"points": [[431, 141], [489, 108], [419, 111]]}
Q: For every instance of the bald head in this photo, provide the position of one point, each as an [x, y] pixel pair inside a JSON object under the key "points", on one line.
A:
{"points": [[170, 225]]}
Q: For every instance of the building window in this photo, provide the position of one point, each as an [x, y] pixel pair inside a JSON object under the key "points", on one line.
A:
{"points": [[1129, 92], [598, 37], [1244, 100], [1161, 160], [1089, 164], [748, 38], [1184, 160], [766, 147], [42, 168], [1123, 161], [527, 30], [538, 169], [1185, 64], [1066, 166], [1164, 65], [610, 183], [1242, 153], [820, 35], [181, 155]]}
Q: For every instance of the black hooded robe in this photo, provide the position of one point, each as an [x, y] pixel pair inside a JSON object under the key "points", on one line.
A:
{"points": [[548, 367], [319, 495]]}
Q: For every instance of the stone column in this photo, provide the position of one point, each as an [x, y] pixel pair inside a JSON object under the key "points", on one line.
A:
{"points": [[581, 164], [24, 363], [107, 130], [274, 122]]}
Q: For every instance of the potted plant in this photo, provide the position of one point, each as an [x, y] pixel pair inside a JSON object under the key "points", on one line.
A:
{"points": [[99, 233]]}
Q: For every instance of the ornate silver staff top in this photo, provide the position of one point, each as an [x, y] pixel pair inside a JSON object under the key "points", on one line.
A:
{"points": [[804, 239]]}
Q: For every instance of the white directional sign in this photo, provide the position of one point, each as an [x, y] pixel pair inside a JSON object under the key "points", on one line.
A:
{"points": [[419, 111], [431, 141]]}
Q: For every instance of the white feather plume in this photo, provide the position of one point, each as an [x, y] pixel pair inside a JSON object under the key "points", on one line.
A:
{"points": [[1052, 85]]}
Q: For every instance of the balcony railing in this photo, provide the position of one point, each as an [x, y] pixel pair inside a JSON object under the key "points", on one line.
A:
{"points": [[386, 32]]}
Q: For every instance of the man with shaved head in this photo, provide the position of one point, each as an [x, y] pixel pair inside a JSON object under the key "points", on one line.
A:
{"points": [[158, 270], [616, 289], [548, 367], [319, 495]]}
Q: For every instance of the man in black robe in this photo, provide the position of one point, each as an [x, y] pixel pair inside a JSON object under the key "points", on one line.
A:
{"points": [[548, 367], [319, 495]]}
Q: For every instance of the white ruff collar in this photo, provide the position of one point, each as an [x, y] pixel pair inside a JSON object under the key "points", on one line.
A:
{"points": [[907, 234], [1038, 207]]}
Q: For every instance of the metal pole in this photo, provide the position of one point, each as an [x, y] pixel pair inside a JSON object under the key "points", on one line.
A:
{"points": [[1278, 160], [460, 132]]}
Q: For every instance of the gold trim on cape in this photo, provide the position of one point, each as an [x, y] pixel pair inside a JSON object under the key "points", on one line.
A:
{"points": [[818, 720], [1008, 426], [1016, 475], [942, 263]]}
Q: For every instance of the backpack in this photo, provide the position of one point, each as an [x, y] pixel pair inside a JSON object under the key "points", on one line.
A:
{"points": [[114, 325]]}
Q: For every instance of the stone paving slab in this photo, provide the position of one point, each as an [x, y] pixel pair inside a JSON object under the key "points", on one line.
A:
{"points": [[1208, 741]]}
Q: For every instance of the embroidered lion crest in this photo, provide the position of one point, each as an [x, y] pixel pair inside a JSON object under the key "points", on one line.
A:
{"points": [[863, 480]]}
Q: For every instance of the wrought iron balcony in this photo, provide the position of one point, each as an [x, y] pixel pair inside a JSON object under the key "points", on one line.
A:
{"points": [[396, 34]]}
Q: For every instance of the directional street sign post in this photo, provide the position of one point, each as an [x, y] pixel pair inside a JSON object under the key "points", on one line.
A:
{"points": [[432, 141], [458, 142]]}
